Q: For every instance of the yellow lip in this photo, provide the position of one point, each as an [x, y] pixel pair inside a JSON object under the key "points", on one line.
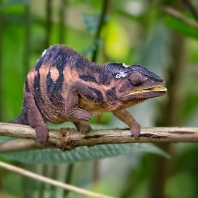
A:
{"points": [[149, 89]]}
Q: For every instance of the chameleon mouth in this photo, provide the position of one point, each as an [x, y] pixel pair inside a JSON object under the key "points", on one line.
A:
{"points": [[157, 88]]}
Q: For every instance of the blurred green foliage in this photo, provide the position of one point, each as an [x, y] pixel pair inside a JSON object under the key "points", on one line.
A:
{"points": [[133, 32]]}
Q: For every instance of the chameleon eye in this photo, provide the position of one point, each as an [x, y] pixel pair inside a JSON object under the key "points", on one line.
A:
{"points": [[136, 79]]}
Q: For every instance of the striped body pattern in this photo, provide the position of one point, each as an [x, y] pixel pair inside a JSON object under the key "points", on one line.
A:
{"points": [[64, 86]]}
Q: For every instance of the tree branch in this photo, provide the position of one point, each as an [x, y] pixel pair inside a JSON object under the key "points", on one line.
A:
{"points": [[67, 138], [192, 8], [179, 16]]}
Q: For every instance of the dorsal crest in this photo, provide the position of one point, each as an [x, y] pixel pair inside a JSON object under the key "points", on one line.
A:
{"points": [[116, 68], [121, 70]]}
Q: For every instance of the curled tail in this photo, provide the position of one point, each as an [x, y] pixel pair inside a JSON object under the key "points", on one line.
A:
{"points": [[21, 119]]}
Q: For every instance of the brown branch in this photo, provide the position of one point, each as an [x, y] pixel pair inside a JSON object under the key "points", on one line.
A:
{"points": [[191, 8], [67, 138], [179, 16]]}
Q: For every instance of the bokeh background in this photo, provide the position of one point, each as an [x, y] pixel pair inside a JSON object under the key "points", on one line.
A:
{"points": [[159, 34]]}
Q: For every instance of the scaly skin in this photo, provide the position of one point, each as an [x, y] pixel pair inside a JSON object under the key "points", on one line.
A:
{"points": [[64, 86]]}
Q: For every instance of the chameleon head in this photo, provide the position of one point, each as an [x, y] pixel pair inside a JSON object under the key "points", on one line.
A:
{"points": [[135, 83]]}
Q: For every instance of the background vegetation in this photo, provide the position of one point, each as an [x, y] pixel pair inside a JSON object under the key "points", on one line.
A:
{"points": [[160, 34]]}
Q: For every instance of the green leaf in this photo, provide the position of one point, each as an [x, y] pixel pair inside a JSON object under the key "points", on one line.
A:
{"points": [[116, 41], [181, 27], [88, 51], [81, 154], [14, 2], [91, 21]]}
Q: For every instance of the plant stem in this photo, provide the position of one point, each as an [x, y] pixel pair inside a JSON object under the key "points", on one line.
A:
{"points": [[68, 178], [42, 184], [27, 17], [62, 16], [48, 22], [1, 62], [54, 173], [98, 31]]}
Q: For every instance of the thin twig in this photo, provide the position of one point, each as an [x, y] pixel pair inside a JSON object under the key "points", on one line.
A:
{"points": [[67, 138], [179, 16], [51, 181], [192, 8]]}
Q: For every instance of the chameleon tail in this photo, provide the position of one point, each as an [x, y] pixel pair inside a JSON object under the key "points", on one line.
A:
{"points": [[21, 119]]}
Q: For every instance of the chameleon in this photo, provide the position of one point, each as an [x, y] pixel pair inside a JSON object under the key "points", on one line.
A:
{"points": [[64, 86]]}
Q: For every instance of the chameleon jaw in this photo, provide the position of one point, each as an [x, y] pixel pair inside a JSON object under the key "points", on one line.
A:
{"points": [[157, 88]]}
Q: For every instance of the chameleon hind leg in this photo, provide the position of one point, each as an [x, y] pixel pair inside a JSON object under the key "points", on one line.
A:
{"points": [[34, 118], [83, 126], [21, 119]]}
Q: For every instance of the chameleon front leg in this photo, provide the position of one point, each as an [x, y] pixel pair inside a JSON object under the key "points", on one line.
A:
{"points": [[72, 105], [127, 118], [34, 118]]}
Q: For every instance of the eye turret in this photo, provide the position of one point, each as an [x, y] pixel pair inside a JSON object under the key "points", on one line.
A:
{"points": [[136, 79]]}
